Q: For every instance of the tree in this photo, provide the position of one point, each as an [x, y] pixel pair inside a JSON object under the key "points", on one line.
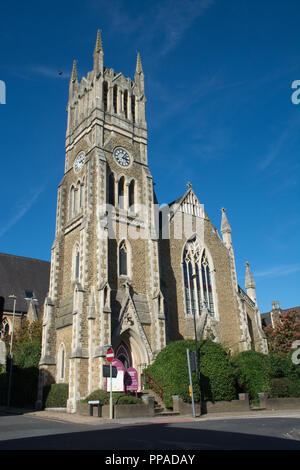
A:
{"points": [[27, 344], [285, 332]]}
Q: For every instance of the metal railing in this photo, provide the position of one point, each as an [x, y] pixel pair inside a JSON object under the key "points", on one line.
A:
{"points": [[148, 382]]}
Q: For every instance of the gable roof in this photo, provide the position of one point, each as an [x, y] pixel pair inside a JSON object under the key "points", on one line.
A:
{"points": [[188, 203], [19, 274]]}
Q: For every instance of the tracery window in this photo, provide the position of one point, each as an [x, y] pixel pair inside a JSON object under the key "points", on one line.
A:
{"points": [[197, 280]]}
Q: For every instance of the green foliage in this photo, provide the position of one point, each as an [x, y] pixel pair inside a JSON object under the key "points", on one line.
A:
{"points": [[293, 386], [278, 389], [281, 365], [56, 395], [217, 373], [129, 400], [119, 398], [252, 371], [170, 370], [285, 331], [27, 344]]}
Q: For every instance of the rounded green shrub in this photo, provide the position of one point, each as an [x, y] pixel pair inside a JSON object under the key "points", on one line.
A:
{"points": [[252, 371], [56, 395], [170, 370], [119, 398], [278, 389], [293, 387]]}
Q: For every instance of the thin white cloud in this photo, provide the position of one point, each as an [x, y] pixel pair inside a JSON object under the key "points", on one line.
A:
{"points": [[164, 22], [277, 271], [49, 72], [20, 209]]}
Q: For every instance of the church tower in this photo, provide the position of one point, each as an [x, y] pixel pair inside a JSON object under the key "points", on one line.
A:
{"points": [[104, 282]]}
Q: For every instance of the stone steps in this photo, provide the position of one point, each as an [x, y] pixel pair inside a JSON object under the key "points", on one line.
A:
{"points": [[159, 406]]}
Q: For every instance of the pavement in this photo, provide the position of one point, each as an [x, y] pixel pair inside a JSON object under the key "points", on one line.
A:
{"points": [[62, 415]]}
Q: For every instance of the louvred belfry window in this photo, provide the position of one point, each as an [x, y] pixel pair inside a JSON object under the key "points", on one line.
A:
{"points": [[197, 280]]}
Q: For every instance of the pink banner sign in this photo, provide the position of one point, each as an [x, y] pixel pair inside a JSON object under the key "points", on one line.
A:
{"points": [[117, 382], [131, 380]]}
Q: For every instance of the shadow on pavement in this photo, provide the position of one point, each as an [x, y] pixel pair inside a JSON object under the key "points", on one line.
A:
{"points": [[151, 437]]}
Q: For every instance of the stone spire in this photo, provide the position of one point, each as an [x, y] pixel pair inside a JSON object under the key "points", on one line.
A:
{"points": [[98, 45], [98, 54], [250, 284], [139, 68], [225, 229], [139, 74], [74, 72], [140, 90]]}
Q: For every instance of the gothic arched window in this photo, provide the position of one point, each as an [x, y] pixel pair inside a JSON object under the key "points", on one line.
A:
{"points": [[123, 268], [131, 195], [126, 103], [71, 201], [75, 263], [121, 186], [62, 362], [115, 99], [80, 186], [111, 189], [105, 94], [133, 107], [197, 280]]}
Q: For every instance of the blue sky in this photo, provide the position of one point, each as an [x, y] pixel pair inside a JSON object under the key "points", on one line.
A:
{"points": [[218, 78]]}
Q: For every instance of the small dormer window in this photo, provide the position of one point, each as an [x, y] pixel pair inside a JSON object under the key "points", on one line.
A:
{"points": [[29, 294]]}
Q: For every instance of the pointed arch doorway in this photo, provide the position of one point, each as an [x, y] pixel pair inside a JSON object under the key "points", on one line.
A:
{"points": [[123, 353], [131, 351]]}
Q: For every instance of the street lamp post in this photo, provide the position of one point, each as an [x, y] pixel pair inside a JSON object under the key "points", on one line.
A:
{"points": [[11, 349]]}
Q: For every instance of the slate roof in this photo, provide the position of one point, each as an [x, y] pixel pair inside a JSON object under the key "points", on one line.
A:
{"points": [[19, 274], [266, 317]]}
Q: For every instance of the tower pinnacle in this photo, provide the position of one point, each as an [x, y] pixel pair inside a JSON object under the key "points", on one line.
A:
{"points": [[98, 54], [98, 45], [225, 227], [249, 281], [74, 72], [139, 68]]}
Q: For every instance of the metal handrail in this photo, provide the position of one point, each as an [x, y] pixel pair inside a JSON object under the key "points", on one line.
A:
{"points": [[150, 381]]}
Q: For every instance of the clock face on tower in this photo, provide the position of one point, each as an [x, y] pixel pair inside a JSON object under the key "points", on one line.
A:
{"points": [[79, 161], [122, 157]]}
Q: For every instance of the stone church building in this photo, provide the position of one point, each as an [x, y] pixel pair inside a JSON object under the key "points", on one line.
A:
{"points": [[125, 272]]}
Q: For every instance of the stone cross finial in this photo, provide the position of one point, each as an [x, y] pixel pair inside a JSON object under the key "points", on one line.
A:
{"points": [[189, 185]]}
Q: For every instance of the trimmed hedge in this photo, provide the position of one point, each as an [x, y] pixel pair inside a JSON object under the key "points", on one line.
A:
{"points": [[119, 398], [56, 395], [170, 370], [252, 373]]}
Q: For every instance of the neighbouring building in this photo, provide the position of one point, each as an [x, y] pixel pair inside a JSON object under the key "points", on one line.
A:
{"points": [[273, 316], [28, 280], [125, 272]]}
